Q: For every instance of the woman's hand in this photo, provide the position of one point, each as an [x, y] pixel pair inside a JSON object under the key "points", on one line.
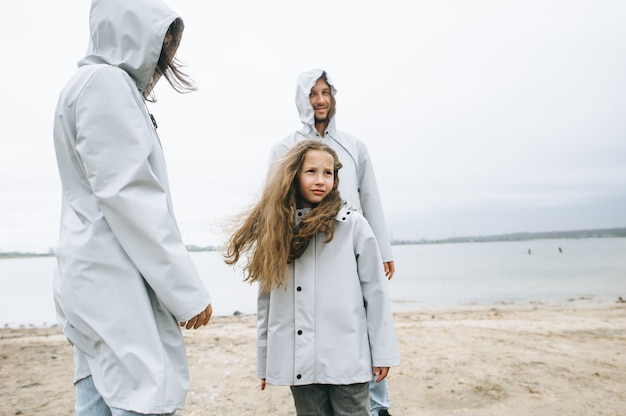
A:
{"points": [[200, 319], [390, 269]]}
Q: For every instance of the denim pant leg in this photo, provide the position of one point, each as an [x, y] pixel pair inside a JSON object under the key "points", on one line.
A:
{"points": [[379, 396], [90, 403], [88, 400], [121, 412]]}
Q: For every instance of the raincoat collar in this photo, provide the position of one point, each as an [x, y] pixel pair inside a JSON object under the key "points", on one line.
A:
{"points": [[344, 212], [128, 35]]}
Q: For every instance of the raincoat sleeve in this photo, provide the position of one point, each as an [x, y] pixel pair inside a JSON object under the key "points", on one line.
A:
{"points": [[371, 203], [380, 325], [263, 309], [277, 152], [120, 152]]}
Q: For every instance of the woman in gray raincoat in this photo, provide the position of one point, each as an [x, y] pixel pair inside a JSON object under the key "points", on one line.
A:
{"points": [[124, 280]]}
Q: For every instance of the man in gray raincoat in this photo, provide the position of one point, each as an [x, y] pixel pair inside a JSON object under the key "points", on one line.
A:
{"points": [[315, 100], [125, 281]]}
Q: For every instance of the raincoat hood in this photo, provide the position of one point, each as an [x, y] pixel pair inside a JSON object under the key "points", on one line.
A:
{"points": [[128, 35], [305, 82]]}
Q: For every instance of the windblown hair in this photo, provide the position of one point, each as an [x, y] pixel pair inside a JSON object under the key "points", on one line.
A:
{"points": [[267, 236], [169, 66]]}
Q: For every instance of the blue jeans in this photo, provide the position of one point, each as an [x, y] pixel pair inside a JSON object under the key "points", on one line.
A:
{"points": [[379, 396], [331, 399], [90, 403]]}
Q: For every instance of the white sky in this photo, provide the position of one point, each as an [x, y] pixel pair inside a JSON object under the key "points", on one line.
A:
{"points": [[482, 117]]}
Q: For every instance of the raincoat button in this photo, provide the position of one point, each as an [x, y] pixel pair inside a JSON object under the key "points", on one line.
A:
{"points": [[299, 376], [299, 289], [299, 332]]}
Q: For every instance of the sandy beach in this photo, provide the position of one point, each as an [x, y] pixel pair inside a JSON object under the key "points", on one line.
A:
{"points": [[501, 359]]}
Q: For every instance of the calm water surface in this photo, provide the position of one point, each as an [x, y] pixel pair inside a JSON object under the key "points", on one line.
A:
{"points": [[536, 270], [428, 276]]}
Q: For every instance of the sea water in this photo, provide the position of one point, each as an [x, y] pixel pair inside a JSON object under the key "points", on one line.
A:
{"points": [[428, 276], [437, 275]]}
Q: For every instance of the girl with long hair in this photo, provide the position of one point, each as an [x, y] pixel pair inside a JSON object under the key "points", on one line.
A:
{"points": [[324, 320]]}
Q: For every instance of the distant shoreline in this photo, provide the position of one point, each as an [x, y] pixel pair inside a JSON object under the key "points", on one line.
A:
{"points": [[525, 236], [520, 236]]}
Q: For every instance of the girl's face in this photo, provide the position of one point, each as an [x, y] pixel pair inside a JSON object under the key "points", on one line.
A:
{"points": [[316, 177]]}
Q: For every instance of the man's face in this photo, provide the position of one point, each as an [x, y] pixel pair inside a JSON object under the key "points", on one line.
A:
{"points": [[321, 99]]}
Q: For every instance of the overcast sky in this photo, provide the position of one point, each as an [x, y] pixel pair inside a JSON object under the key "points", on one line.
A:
{"points": [[481, 117]]}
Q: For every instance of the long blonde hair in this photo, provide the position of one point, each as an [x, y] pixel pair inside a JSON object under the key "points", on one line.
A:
{"points": [[267, 235]]}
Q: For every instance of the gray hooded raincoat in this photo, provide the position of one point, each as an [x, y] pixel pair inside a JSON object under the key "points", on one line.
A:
{"points": [[124, 277], [358, 181], [331, 322]]}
